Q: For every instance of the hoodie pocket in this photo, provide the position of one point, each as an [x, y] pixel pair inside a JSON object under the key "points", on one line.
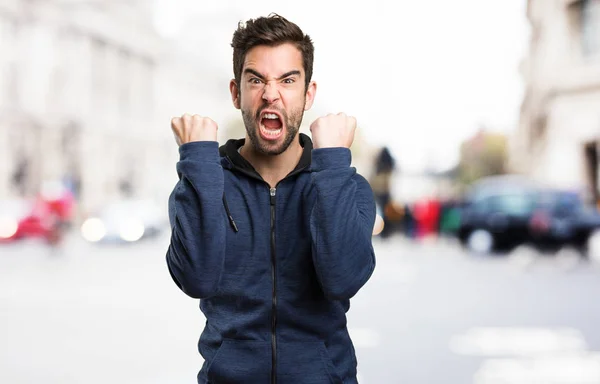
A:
{"points": [[305, 363], [241, 362]]}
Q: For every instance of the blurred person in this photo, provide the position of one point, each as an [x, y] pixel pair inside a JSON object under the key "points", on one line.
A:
{"points": [[271, 232], [57, 202], [408, 221], [380, 182], [394, 217], [426, 214], [449, 219], [20, 176]]}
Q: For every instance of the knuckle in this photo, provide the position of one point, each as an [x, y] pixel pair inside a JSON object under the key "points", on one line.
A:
{"points": [[209, 124]]}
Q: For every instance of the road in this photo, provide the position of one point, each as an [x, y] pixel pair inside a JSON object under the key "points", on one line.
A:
{"points": [[430, 314]]}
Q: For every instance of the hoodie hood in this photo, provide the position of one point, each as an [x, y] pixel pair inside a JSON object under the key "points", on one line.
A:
{"points": [[235, 161]]}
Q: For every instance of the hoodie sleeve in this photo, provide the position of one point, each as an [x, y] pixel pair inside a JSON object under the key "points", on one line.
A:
{"points": [[198, 221], [341, 224]]}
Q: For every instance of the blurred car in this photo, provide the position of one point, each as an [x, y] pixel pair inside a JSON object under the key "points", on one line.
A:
{"points": [[125, 221], [21, 219], [502, 212], [561, 218], [46, 217], [496, 213], [12, 214]]}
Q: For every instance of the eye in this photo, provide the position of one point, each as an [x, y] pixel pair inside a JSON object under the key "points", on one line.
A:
{"points": [[289, 80], [255, 80]]}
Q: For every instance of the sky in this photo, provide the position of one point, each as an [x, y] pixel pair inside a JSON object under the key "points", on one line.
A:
{"points": [[419, 76]]}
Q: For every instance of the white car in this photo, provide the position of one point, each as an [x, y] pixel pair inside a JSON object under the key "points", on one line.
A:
{"points": [[125, 221]]}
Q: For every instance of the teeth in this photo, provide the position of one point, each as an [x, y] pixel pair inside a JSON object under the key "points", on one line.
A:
{"points": [[270, 116], [271, 132]]}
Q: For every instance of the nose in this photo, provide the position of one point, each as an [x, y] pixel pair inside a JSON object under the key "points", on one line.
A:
{"points": [[271, 93]]}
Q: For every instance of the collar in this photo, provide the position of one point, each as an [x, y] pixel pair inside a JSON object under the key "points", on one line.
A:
{"points": [[230, 150]]}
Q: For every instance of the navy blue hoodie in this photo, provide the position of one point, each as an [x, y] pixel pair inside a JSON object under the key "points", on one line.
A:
{"points": [[275, 268]]}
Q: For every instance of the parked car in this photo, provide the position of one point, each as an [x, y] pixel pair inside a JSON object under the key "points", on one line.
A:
{"points": [[124, 221], [23, 218], [496, 213], [562, 218], [502, 212]]}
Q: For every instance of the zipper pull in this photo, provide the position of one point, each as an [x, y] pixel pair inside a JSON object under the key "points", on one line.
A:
{"points": [[273, 191], [232, 222]]}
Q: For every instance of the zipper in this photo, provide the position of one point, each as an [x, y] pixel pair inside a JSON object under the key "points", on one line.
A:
{"points": [[272, 192], [231, 221]]}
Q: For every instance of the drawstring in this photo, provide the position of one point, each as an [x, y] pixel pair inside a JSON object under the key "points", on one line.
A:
{"points": [[231, 221]]}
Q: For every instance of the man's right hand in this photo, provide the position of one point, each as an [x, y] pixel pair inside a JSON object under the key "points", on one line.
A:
{"points": [[188, 128]]}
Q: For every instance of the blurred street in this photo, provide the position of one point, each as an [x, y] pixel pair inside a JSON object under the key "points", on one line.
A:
{"points": [[431, 313], [484, 134]]}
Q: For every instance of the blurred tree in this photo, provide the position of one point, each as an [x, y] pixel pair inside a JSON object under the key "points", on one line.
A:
{"points": [[482, 155]]}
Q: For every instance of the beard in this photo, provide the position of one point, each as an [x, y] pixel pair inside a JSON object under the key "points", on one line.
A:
{"points": [[290, 122]]}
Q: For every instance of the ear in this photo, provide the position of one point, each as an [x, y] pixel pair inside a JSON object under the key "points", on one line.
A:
{"points": [[311, 91], [235, 93]]}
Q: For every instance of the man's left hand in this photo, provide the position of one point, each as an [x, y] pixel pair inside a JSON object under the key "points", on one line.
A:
{"points": [[333, 131]]}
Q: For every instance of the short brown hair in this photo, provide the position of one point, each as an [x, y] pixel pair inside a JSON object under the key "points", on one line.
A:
{"points": [[272, 30]]}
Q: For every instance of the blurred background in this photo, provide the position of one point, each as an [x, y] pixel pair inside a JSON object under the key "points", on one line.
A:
{"points": [[479, 131]]}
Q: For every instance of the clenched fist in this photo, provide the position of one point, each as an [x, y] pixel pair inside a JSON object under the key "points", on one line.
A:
{"points": [[333, 131], [189, 128]]}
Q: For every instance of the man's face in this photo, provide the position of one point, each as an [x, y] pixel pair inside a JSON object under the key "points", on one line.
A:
{"points": [[272, 96]]}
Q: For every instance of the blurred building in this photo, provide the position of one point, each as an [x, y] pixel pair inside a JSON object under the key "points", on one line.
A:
{"points": [[559, 132], [87, 90]]}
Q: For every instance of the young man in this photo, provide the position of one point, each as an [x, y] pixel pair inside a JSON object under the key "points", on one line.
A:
{"points": [[272, 232]]}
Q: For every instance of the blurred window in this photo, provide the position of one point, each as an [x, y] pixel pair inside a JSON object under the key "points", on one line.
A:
{"points": [[125, 93], [590, 27], [481, 206], [561, 203], [147, 85], [8, 64], [512, 204], [99, 73]]}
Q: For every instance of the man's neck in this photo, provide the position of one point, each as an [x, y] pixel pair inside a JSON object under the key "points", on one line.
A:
{"points": [[273, 168]]}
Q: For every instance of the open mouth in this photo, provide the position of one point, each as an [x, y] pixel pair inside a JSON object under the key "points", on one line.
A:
{"points": [[271, 126]]}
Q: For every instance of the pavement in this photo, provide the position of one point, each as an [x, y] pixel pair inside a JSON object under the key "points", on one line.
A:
{"points": [[431, 313]]}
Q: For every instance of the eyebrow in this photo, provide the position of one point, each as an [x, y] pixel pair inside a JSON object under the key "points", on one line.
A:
{"points": [[262, 77]]}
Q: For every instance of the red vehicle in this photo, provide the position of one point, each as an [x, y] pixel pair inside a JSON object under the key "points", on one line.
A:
{"points": [[45, 217]]}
